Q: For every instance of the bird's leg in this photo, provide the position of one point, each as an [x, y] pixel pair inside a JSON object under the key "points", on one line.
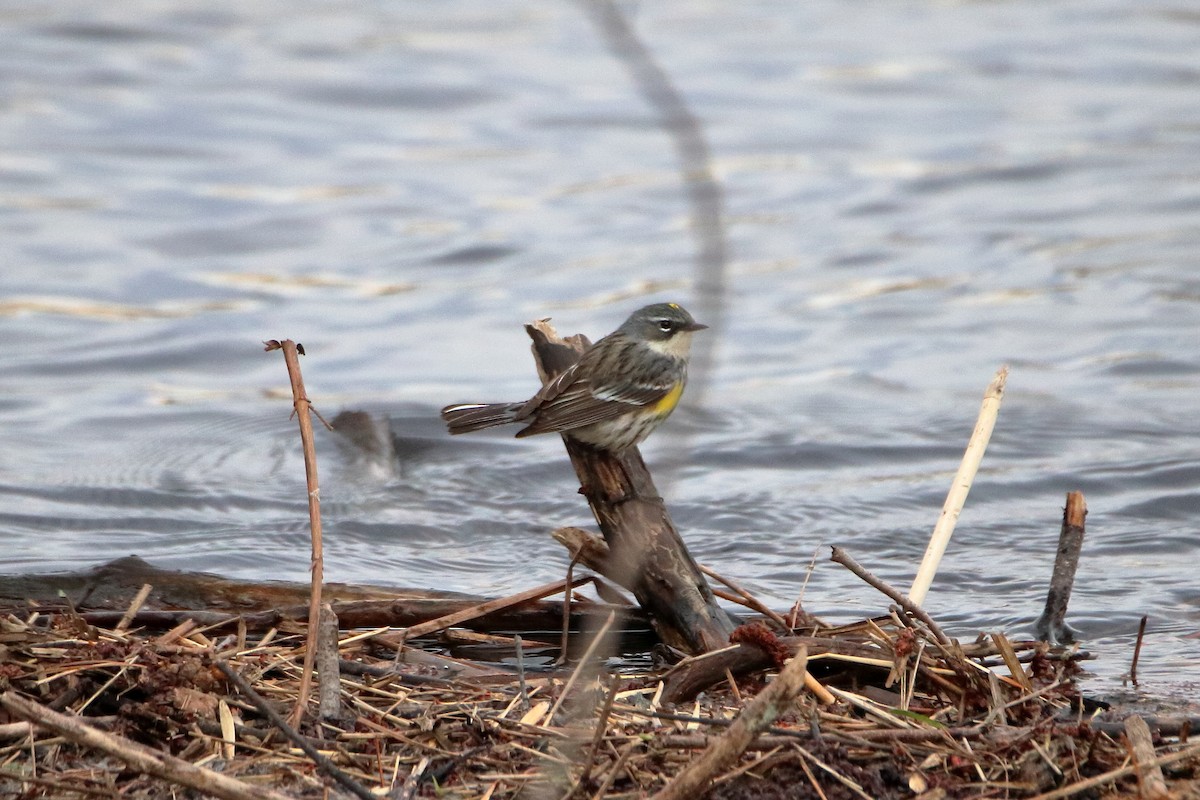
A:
{"points": [[607, 495]]}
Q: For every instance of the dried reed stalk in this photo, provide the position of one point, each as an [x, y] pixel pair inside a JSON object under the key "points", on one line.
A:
{"points": [[957, 496], [301, 406]]}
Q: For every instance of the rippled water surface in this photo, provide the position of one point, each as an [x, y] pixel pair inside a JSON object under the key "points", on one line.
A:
{"points": [[915, 193]]}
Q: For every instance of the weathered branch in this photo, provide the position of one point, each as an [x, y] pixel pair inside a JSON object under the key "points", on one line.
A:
{"points": [[646, 553]]}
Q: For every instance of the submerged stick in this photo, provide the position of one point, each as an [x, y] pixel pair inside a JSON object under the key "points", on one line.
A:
{"points": [[302, 406], [756, 717], [1050, 626], [1137, 649], [139, 756], [957, 497]]}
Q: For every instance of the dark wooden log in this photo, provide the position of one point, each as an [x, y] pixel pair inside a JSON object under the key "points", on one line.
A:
{"points": [[102, 595], [114, 585], [647, 555]]}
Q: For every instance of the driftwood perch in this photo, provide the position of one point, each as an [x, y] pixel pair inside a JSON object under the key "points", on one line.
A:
{"points": [[646, 553]]}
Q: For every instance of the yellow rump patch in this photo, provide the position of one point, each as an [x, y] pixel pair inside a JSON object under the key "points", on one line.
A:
{"points": [[669, 400]]}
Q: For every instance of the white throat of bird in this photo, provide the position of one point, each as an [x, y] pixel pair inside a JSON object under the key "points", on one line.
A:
{"points": [[678, 346]]}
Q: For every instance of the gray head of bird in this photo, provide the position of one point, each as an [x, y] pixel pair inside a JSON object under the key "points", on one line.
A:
{"points": [[665, 327]]}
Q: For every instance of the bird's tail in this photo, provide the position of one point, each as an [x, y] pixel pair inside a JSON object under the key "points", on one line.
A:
{"points": [[467, 417]]}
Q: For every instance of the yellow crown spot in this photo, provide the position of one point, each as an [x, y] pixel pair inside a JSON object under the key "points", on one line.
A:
{"points": [[669, 400], [673, 305]]}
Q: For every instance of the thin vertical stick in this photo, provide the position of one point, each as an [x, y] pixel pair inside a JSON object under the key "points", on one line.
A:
{"points": [[302, 405], [521, 671], [566, 615], [1051, 626], [1137, 651], [957, 496]]}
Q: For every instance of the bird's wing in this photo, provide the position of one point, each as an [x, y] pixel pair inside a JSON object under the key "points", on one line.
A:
{"points": [[576, 403]]}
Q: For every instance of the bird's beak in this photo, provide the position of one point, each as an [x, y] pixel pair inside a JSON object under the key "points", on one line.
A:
{"points": [[694, 326]]}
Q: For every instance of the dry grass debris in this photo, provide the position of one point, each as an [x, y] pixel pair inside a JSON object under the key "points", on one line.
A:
{"points": [[911, 717]]}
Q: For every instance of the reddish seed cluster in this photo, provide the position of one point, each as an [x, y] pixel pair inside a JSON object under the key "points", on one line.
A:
{"points": [[905, 643], [760, 636]]}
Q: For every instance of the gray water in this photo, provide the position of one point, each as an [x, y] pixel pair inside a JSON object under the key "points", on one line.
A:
{"points": [[915, 194]]}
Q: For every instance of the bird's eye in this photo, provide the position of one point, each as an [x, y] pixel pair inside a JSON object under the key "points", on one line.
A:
{"points": [[666, 325]]}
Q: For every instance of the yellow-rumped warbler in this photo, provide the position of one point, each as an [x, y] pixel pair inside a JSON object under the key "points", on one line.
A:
{"points": [[619, 390]]}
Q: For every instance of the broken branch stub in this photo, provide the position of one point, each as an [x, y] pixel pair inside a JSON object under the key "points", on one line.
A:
{"points": [[647, 554]]}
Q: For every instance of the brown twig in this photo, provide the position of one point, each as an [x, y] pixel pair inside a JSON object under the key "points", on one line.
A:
{"points": [[565, 638], [828, 770], [597, 735], [840, 556], [584, 663], [134, 605], [302, 406], [1009, 655], [626, 752]]}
